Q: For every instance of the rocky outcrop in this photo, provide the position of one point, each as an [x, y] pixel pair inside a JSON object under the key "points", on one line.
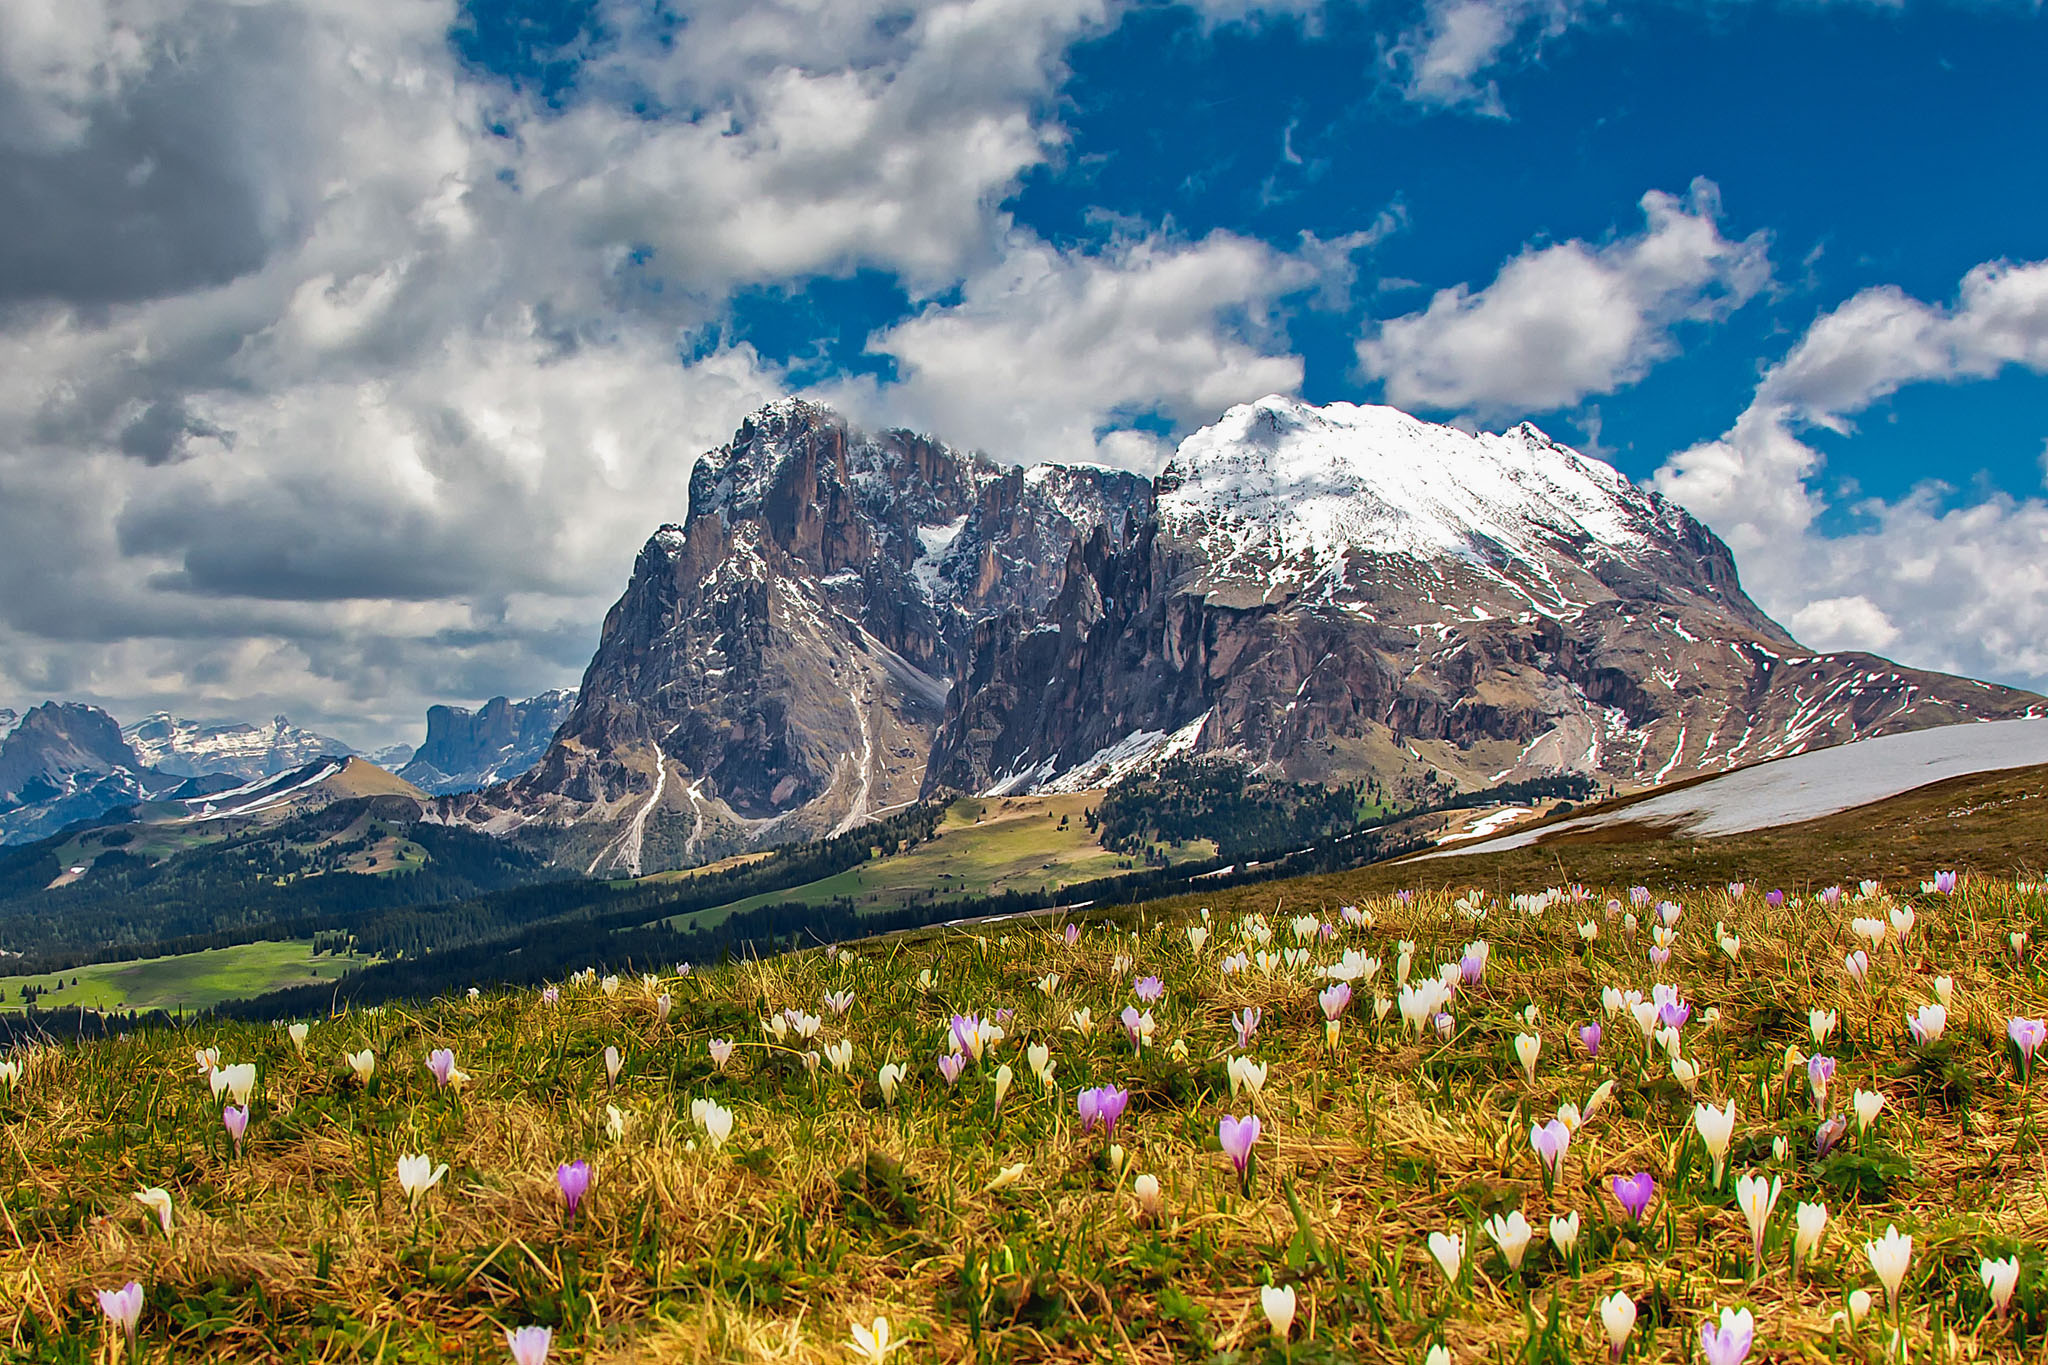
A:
{"points": [[780, 659], [466, 749], [64, 762]]}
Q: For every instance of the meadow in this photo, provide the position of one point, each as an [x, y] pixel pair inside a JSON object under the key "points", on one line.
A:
{"points": [[187, 981], [1569, 1124], [983, 846]]}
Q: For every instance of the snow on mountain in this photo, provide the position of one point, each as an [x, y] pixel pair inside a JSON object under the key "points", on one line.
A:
{"points": [[1287, 481], [189, 748]]}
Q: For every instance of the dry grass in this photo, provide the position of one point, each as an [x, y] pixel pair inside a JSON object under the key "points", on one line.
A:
{"points": [[830, 1205]]}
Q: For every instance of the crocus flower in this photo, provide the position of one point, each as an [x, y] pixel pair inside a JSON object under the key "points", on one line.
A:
{"points": [[1245, 1073], [1589, 1036], [123, 1307], [1278, 1305], [1527, 1047], [298, 1033], [417, 1175], [1149, 989], [1550, 1139], [2000, 1279], [1146, 1189], [1857, 965], [1757, 1197], [1715, 1127], [363, 1064], [1945, 883], [1927, 1024], [1237, 1137], [1829, 1135], [1820, 1073], [873, 1343], [1774, 899], [1511, 1234], [2027, 1036], [529, 1345], [951, 1066], [441, 1061], [1103, 1104], [1728, 1342], [1634, 1192], [1003, 1079], [1867, 1104], [1618, 1319], [573, 1178], [1564, 1233], [721, 1052], [614, 1062], [157, 1200], [236, 1120], [1820, 1023], [1447, 1249], [1809, 1225], [1138, 1027], [239, 1081], [1889, 1256]]}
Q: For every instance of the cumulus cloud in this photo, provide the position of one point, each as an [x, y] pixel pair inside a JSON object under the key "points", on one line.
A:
{"points": [[338, 377], [1562, 322], [1054, 355], [1953, 587], [1446, 58]]}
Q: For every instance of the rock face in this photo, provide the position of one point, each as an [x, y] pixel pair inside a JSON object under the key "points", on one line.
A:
{"points": [[467, 749], [64, 762], [843, 621], [1349, 591], [190, 748], [780, 660]]}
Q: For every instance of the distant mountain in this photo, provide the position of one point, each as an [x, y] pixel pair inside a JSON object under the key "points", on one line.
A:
{"points": [[468, 749], [844, 621], [1346, 592], [392, 757], [238, 749], [779, 662], [64, 762]]}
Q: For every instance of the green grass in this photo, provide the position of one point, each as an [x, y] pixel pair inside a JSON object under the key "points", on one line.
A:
{"points": [[984, 845], [188, 980]]}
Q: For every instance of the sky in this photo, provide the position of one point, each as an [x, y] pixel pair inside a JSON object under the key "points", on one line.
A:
{"points": [[349, 352]]}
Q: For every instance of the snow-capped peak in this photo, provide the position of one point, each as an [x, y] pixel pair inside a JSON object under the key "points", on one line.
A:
{"points": [[1301, 480]]}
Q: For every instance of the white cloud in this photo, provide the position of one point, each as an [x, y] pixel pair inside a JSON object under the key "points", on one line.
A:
{"points": [[1052, 355], [369, 404], [1448, 57], [1962, 588], [1562, 322]]}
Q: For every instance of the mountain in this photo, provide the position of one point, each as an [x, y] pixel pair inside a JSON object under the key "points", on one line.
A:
{"points": [[66, 761], [1345, 592], [8, 716], [467, 749], [237, 749], [844, 621], [778, 664]]}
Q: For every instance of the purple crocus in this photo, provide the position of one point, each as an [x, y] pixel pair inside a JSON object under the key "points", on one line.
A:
{"points": [[951, 1065], [2027, 1035], [1589, 1034], [1103, 1104], [1551, 1140], [1735, 890], [441, 1062], [236, 1121], [573, 1177], [551, 995], [1149, 989], [1660, 957], [1820, 1074], [1405, 896], [1639, 896], [1829, 1135], [1775, 899], [1245, 1024], [1326, 931], [1073, 934], [1945, 883], [1831, 895], [1472, 966], [1634, 1193], [1674, 1013], [1728, 1343], [1237, 1136]]}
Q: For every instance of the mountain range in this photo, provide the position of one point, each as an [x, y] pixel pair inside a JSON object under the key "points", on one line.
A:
{"points": [[845, 621], [64, 762]]}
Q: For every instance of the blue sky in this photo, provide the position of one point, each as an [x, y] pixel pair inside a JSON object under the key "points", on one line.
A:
{"points": [[301, 327]]}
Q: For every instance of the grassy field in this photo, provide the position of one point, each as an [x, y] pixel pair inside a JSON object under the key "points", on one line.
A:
{"points": [[987, 1220], [190, 980], [983, 845]]}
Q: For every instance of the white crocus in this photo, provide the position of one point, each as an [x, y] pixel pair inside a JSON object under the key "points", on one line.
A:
{"points": [[1715, 1127], [1889, 1256], [1511, 1234]]}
